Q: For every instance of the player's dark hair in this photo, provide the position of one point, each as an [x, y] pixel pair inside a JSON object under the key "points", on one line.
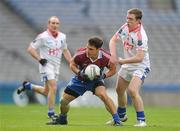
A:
{"points": [[137, 12], [96, 42]]}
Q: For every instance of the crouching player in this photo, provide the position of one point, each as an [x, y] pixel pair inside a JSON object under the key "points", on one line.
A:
{"points": [[79, 84]]}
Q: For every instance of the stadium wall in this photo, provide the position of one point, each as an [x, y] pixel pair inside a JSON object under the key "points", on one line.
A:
{"points": [[153, 95]]}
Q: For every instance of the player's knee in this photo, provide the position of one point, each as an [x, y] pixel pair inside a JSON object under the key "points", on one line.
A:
{"points": [[52, 85], [103, 96], [46, 92], [53, 89], [133, 94]]}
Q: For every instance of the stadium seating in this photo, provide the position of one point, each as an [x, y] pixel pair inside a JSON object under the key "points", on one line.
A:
{"points": [[81, 19], [15, 35]]}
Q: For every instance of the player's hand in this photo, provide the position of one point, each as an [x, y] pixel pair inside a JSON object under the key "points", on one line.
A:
{"points": [[102, 76], [83, 76], [43, 62], [121, 61]]}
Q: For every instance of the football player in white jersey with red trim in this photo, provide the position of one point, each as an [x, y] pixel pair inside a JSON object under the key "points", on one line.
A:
{"points": [[134, 66], [47, 49]]}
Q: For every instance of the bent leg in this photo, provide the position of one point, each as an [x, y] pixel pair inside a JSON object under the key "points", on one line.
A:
{"points": [[36, 88], [64, 109], [52, 93], [51, 87], [64, 103], [121, 86], [101, 93], [109, 104], [40, 89], [133, 90]]}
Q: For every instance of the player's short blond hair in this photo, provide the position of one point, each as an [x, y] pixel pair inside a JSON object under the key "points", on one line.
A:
{"points": [[137, 12], [49, 20]]}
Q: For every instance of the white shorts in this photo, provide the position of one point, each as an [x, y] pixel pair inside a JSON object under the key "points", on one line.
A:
{"points": [[49, 72], [127, 73]]}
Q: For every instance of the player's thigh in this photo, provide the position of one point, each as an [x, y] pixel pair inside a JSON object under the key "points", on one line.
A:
{"points": [[100, 90], [50, 87], [101, 93], [134, 85], [121, 84], [137, 80], [52, 83]]}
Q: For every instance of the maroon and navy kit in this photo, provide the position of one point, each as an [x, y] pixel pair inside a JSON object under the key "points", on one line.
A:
{"points": [[76, 86], [82, 60]]}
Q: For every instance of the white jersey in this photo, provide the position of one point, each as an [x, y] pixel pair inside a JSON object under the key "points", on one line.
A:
{"points": [[133, 41], [49, 47]]}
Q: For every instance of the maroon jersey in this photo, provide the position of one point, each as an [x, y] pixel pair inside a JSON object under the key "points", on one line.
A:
{"points": [[82, 60]]}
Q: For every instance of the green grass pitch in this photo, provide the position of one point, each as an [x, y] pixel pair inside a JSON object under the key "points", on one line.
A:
{"points": [[33, 118]]}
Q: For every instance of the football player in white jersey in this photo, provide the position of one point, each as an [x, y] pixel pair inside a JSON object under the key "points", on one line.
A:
{"points": [[47, 49], [134, 66]]}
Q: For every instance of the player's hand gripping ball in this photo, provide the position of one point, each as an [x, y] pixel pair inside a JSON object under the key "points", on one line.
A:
{"points": [[92, 71]]}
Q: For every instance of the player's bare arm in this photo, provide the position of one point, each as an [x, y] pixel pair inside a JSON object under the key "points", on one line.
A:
{"points": [[73, 66], [112, 47], [32, 51], [67, 55], [111, 70], [135, 59]]}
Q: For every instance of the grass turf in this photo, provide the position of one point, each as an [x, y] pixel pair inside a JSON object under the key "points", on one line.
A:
{"points": [[33, 117]]}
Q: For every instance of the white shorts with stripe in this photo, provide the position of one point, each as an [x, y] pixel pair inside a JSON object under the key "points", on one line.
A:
{"points": [[128, 73], [49, 72]]}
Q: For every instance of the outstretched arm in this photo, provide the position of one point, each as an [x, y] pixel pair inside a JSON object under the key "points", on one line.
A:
{"points": [[135, 59], [112, 48]]}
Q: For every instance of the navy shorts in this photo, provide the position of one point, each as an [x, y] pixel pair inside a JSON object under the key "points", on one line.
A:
{"points": [[77, 87]]}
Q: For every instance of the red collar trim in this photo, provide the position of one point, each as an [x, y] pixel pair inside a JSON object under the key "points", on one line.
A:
{"points": [[136, 29], [54, 34]]}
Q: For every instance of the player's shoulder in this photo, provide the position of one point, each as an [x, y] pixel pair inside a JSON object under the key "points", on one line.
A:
{"points": [[123, 28], [142, 33], [42, 35], [142, 30], [124, 25], [105, 53], [81, 51], [61, 34]]}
